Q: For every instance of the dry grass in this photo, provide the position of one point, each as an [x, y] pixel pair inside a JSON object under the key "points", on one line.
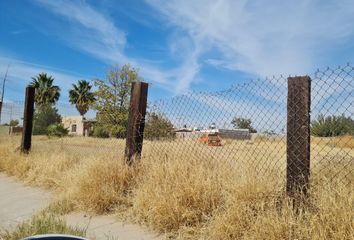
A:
{"points": [[329, 216], [104, 185], [191, 190], [182, 194], [338, 142]]}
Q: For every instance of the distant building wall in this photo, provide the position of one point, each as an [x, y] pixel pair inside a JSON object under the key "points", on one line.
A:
{"points": [[188, 135], [184, 133], [74, 124], [15, 130], [89, 125], [239, 134]]}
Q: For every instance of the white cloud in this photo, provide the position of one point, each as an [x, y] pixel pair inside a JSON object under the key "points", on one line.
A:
{"points": [[255, 37], [95, 33], [82, 13], [19, 76], [259, 37], [19, 31], [21, 72], [201, 109]]}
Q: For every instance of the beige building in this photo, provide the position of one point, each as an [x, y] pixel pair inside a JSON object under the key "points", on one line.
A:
{"points": [[78, 125], [189, 133]]}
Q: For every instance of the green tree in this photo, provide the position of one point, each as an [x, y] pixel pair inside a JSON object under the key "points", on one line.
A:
{"points": [[81, 96], [332, 126], [157, 127], [112, 100], [243, 123], [46, 92], [43, 119], [14, 123]]}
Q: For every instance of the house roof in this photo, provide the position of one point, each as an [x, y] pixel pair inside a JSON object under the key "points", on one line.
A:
{"points": [[90, 120], [183, 130]]}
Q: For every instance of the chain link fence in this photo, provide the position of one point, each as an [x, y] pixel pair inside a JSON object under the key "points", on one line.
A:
{"points": [[243, 129], [11, 113], [332, 124]]}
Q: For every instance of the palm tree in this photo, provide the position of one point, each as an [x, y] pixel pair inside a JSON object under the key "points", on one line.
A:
{"points": [[46, 92], [81, 96]]}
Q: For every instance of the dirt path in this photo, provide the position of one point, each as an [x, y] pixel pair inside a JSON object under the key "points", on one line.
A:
{"points": [[108, 227], [19, 202]]}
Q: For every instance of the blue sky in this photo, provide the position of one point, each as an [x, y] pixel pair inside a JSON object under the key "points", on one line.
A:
{"points": [[178, 46]]}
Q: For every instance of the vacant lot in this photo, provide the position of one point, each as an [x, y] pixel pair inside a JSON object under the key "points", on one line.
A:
{"points": [[192, 190], [4, 130]]}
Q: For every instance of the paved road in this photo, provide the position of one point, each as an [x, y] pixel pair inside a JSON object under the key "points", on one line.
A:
{"points": [[19, 202]]}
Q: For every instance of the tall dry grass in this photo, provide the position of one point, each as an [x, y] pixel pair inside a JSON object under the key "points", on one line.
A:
{"points": [[329, 215], [103, 186], [190, 190], [346, 141]]}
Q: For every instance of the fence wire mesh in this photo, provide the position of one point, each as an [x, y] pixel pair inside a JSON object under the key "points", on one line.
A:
{"points": [[332, 125], [244, 128], [11, 113], [240, 131]]}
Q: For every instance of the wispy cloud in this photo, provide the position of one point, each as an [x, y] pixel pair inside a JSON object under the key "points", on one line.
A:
{"points": [[21, 72], [19, 76], [98, 35], [202, 109], [260, 38], [92, 31], [254, 37], [19, 31]]}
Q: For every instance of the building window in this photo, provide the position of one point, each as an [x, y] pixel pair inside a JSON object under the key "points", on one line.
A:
{"points": [[73, 128]]}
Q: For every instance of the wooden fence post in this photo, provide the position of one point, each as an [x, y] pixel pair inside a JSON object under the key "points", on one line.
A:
{"points": [[136, 121], [28, 120], [298, 135]]}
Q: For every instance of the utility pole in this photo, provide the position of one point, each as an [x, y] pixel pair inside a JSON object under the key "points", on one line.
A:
{"points": [[3, 90], [11, 108]]}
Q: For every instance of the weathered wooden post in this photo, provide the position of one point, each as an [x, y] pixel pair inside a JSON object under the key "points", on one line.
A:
{"points": [[136, 121], [298, 135], [28, 120]]}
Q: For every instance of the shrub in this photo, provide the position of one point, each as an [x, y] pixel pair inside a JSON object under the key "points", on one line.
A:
{"points": [[100, 132], [243, 123], [57, 130], [14, 123], [332, 126], [158, 126]]}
